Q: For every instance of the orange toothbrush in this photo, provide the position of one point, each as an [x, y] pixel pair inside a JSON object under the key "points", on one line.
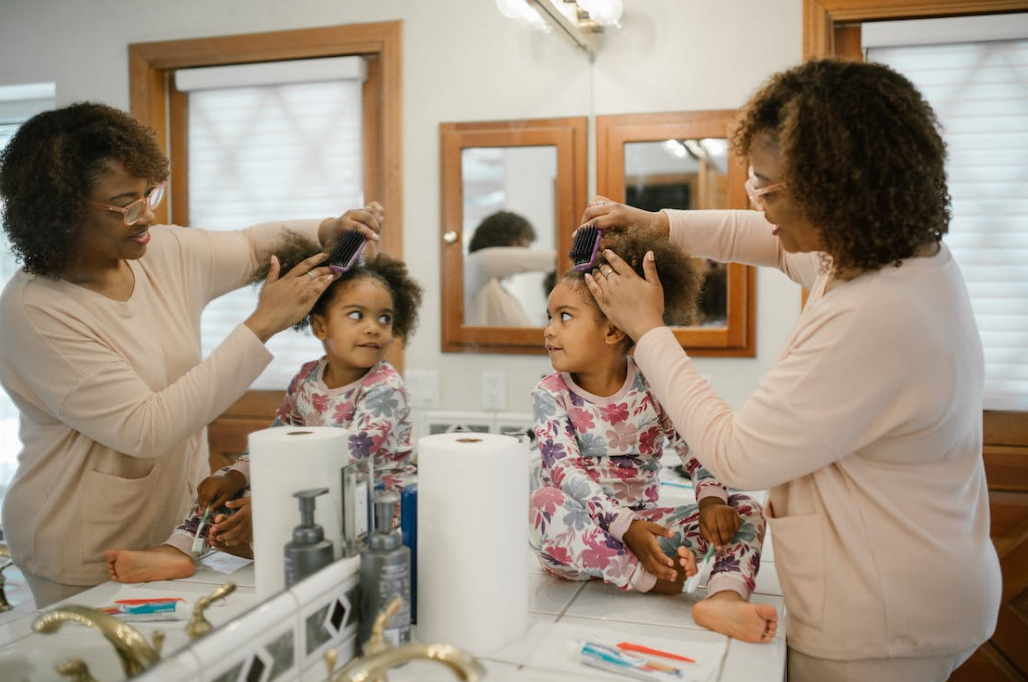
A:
{"points": [[639, 648]]}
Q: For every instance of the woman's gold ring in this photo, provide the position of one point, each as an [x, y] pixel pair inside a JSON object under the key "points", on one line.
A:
{"points": [[311, 275]]}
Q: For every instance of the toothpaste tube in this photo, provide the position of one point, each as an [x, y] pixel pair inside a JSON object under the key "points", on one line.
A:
{"points": [[692, 583], [138, 610]]}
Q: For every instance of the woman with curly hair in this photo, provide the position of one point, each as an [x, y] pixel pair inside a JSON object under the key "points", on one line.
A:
{"points": [[868, 429], [100, 340], [351, 387]]}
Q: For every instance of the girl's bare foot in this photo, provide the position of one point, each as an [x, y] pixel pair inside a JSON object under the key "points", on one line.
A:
{"points": [[140, 566], [728, 613]]}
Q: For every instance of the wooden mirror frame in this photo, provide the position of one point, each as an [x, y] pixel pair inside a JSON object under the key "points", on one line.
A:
{"points": [[738, 337], [569, 136]]}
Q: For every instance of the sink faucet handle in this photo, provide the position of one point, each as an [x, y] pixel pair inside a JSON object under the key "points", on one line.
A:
{"points": [[377, 643], [199, 625], [77, 670], [158, 641], [331, 658], [4, 604]]}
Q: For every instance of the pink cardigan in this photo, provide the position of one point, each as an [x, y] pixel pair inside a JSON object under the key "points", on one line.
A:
{"points": [[868, 433]]}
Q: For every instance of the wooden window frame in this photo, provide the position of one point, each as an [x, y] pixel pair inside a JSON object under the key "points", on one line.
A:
{"points": [[156, 103]]}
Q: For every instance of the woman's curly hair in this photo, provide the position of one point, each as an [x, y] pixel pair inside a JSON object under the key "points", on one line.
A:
{"points": [[502, 228], [49, 169], [675, 268], [862, 158], [392, 273]]}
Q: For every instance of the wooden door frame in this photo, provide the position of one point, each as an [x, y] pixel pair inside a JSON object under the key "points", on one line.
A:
{"points": [[151, 66]]}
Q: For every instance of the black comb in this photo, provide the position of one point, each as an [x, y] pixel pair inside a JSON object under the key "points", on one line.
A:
{"points": [[346, 252], [585, 247]]}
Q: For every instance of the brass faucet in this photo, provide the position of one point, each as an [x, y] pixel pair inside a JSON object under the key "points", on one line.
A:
{"points": [[77, 670], [199, 625], [378, 656], [135, 652]]}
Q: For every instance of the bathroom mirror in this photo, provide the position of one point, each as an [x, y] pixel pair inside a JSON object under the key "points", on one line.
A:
{"points": [[512, 194], [682, 160]]}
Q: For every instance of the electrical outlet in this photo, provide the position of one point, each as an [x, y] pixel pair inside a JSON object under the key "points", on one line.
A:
{"points": [[494, 390], [423, 387]]}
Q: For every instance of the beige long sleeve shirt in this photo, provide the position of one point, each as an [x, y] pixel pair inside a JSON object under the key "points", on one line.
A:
{"points": [[868, 433], [114, 398]]}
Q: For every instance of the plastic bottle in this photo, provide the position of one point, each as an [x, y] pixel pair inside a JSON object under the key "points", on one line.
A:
{"points": [[385, 574], [309, 551]]}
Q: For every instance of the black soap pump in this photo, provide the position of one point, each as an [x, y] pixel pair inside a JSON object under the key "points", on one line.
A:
{"points": [[309, 551], [385, 574]]}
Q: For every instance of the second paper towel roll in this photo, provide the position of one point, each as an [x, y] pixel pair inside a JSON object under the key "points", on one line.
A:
{"points": [[472, 535], [284, 460]]}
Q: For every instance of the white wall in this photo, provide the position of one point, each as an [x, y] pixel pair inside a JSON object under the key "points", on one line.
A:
{"points": [[463, 61]]}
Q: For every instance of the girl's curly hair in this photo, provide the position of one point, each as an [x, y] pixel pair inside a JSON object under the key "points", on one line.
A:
{"points": [[392, 273], [49, 169], [675, 268], [862, 158]]}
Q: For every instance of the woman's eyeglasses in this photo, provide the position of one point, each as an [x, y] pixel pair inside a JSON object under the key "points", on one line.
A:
{"points": [[133, 213], [756, 194]]}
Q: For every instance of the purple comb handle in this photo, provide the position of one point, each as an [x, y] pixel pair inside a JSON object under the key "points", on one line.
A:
{"points": [[581, 246]]}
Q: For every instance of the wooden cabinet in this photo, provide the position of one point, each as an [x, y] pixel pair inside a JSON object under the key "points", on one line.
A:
{"points": [[1005, 656]]}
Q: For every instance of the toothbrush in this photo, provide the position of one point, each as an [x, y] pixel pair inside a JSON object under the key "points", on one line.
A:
{"points": [[692, 583], [346, 251], [585, 247], [198, 539]]}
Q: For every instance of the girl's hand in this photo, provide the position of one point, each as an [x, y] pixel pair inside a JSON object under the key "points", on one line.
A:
{"points": [[633, 304], [230, 531], [286, 299], [641, 538], [718, 522], [214, 491], [368, 221], [614, 217]]}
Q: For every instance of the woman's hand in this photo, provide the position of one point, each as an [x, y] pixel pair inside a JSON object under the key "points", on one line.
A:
{"points": [[216, 490], [641, 538], [633, 304], [613, 217], [230, 531], [368, 221], [718, 522], [286, 299]]}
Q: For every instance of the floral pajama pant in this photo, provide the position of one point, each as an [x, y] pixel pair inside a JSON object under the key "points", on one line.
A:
{"points": [[573, 546]]}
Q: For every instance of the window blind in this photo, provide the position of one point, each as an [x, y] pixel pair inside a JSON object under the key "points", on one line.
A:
{"points": [[272, 152], [979, 93]]}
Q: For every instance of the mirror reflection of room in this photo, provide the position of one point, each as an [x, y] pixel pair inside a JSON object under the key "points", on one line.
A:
{"points": [[684, 174], [508, 234]]}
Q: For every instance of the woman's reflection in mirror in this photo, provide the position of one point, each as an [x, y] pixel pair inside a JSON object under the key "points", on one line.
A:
{"points": [[500, 248]]}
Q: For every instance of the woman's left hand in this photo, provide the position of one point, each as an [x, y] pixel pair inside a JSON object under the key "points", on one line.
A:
{"points": [[230, 531], [718, 522], [633, 304]]}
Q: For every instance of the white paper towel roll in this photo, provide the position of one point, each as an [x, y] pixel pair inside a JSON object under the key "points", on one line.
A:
{"points": [[284, 460], [472, 535]]}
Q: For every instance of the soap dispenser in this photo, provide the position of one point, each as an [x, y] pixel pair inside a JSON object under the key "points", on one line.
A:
{"points": [[385, 574], [309, 551]]}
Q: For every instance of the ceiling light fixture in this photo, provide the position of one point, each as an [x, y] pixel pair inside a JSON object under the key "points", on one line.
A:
{"points": [[579, 20]]}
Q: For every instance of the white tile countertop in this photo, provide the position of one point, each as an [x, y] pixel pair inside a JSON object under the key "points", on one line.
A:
{"points": [[560, 609], [561, 615]]}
